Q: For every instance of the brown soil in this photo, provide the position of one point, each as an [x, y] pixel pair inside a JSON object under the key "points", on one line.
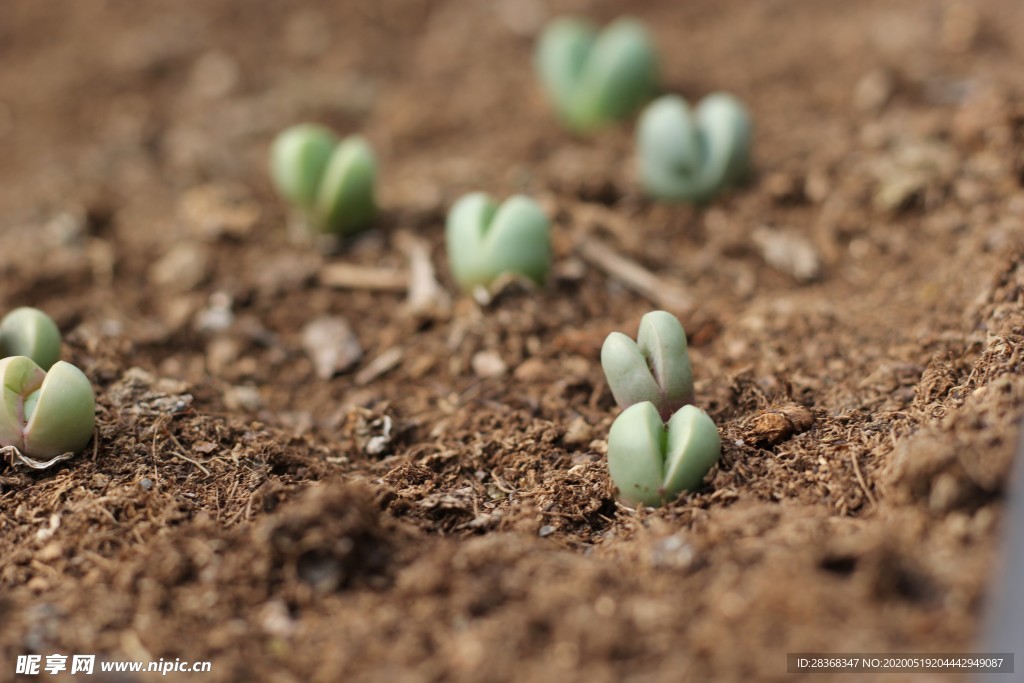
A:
{"points": [[856, 316]]}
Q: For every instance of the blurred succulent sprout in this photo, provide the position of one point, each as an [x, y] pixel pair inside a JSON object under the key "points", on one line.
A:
{"points": [[693, 154], [656, 367], [45, 414], [595, 78], [485, 240], [651, 463], [330, 182], [29, 332]]}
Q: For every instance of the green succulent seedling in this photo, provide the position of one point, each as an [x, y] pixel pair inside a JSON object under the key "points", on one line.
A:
{"points": [[330, 182], [595, 78], [485, 240], [652, 464], [693, 154], [656, 367], [45, 414], [29, 332]]}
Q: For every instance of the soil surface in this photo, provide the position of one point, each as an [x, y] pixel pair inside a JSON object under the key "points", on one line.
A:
{"points": [[439, 508]]}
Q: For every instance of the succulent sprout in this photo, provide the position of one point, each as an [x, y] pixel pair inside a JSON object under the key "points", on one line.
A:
{"points": [[595, 78], [330, 182], [652, 464], [45, 414], [692, 155], [485, 240], [655, 367], [29, 332]]}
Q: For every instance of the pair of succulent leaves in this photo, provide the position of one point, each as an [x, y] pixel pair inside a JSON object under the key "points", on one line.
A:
{"points": [[485, 240], [593, 78], [330, 181], [689, 154], [649, 461], [48, 407]]}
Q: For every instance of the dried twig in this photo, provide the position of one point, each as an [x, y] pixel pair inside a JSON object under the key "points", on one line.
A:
{"points": [[176, 454], [380, 365], [15, 457], [348, 276], [860, 480], [426, 295], [631, 274]]}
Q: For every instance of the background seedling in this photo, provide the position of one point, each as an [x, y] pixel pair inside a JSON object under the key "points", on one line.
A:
{"points": [[29, 332], [656, 367], [331, 183], [485, 240], [594, 78], [45, 414], [692, 155], [652, 464]]}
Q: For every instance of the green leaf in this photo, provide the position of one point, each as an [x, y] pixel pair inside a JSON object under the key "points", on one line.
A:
{"points": [[64, 414], [298, 158], [20, 376], [693, 447], [29, 332], [345, 203], [627, 370], [562, 55], [636, 455]]}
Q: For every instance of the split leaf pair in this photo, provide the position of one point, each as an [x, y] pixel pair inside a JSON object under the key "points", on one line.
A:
{"points": [[330, 182], [47, 407], [593, 78], [45, 414], [652, 463], [485, 240], [693, 154]]}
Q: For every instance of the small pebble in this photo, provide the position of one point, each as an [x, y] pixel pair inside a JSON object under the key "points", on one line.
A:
{"points": [[530, 370], [873, 91], [217, 316], [243, 398], [221, 353], [487, 364], [50, 552], [181, 269], [961, 25], [331, 345], [578, 433], [215, 210], [214, 75], [789, 252]]}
